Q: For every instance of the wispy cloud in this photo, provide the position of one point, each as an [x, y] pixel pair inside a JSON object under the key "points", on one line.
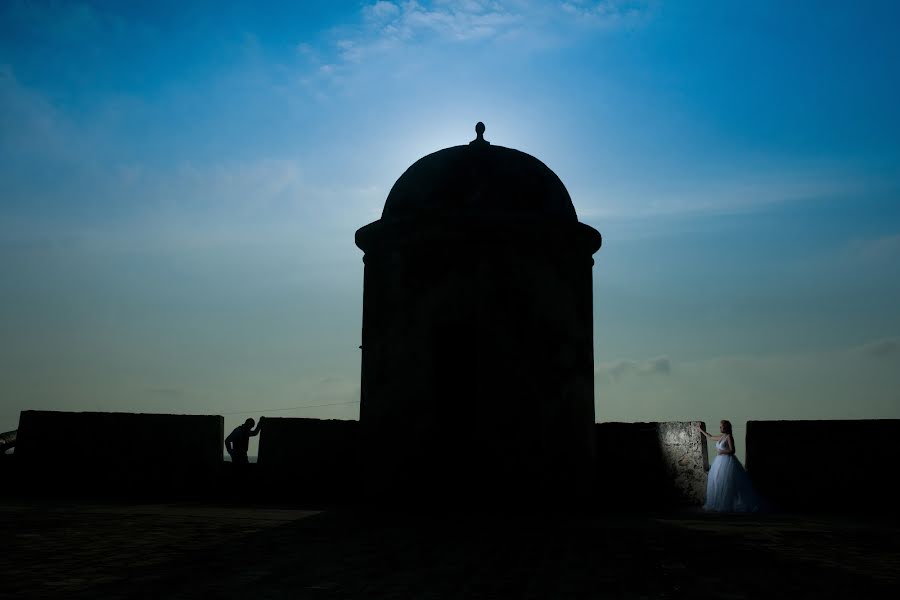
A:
{"points": [[384, 27], [876, 249], [168, 392], [840, 383], [610, 13], [31, 124], [884, 348], [387, 26], [455, 21], [756, 188], [619, 369]]}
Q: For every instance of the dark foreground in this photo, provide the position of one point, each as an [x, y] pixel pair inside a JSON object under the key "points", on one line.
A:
{"points": [[194, 551]]}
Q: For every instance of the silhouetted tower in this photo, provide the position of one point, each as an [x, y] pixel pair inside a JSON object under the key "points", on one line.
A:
{"points": [[477, 338]]}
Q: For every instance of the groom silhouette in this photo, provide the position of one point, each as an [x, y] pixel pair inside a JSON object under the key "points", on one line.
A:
{"points": [[238, 441]]}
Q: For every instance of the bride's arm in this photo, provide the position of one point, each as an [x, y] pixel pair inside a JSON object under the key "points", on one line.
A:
{"points": [[708, 435]]}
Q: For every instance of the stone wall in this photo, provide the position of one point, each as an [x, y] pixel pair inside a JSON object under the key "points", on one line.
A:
{"points": [[642, 465], [639, 465], [118, 453], [836, 465], [802, 466], [313, 459]]}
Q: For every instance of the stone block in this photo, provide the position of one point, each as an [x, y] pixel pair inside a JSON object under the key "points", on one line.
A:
{"points": [[836, 465], [7, 441], [653, 464], [310, 459], [93, 453]]}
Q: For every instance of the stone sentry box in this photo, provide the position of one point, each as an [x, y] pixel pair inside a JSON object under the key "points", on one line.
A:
{"points": [[477, 339]]}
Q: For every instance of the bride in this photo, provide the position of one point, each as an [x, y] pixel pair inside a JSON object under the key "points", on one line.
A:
{"points": [[728, 488]]}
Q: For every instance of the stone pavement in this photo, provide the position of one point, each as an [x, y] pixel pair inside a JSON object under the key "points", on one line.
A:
{"points": [[194, 551]]}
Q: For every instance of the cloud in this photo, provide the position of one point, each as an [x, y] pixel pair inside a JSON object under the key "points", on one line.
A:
{"points": [[660, 365], [754, 189], [609, 13], [169, 392], [853, 382], [305, 49], [381, 12], [876, 249], [463, 22], [619, 369], [388, 25], [350, 51], [31, 124], [883, 348], [384, 26]]}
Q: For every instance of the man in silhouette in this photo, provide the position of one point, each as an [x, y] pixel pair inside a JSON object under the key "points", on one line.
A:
{"points": [[238, 440]]}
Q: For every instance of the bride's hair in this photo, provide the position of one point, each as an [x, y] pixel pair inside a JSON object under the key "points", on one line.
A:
{"points": [[726, 426]]}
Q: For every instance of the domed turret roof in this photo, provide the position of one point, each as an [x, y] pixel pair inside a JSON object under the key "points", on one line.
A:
{"points": [[481, 180]]}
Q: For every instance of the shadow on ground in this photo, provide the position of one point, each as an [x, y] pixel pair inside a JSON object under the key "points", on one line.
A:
{"points": [[188, 551]]}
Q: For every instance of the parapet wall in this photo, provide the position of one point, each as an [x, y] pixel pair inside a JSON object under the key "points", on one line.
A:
{"points": [[802, 466], [119, 453], [824, 465], [644, 465], [310, 458], [638, 464]]}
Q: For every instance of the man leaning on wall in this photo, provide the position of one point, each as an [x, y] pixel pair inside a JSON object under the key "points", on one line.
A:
{"points": [[238, 441]]}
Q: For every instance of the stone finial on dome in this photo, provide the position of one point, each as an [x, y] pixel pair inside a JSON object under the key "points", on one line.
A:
{"points": [[479, 131]]}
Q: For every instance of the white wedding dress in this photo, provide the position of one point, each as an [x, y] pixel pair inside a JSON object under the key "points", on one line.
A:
{"points": [[728, 488]]}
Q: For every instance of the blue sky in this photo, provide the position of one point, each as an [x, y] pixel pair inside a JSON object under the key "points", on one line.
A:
{"points": [[180, 184]]}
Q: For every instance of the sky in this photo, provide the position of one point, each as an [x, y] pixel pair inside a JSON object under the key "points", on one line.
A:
{"points": [[180, 184]]}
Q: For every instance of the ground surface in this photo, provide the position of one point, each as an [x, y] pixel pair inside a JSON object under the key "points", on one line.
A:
{"points": [[192, 551]]}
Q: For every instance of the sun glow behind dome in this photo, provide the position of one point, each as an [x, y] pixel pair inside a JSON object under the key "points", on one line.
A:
{"points": [[431, 129]]}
